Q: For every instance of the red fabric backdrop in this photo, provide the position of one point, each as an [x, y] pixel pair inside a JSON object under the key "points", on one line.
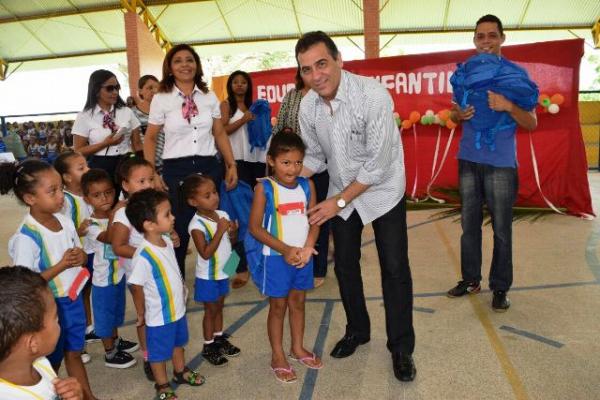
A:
{"points": [[420, 82]]}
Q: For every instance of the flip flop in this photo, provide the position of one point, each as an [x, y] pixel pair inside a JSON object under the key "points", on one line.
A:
{"points": [[289, 370], [303, 360]]}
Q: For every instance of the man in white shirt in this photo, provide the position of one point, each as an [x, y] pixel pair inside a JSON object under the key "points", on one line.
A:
{"points": [[348, 126]]}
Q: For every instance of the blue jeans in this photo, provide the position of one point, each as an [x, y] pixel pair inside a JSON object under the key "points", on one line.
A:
{"points": [[495, 187]]}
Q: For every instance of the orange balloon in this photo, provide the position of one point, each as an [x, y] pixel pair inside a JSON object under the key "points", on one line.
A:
{"points": [[450, 124], [414, 117], [557, 99], [542, 97], [406, 124], [444, 114]]}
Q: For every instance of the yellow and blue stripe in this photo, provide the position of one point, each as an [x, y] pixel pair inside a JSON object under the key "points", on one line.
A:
{"points": [[113, 271], [75, 209], [276, 228], [45, 261], [159, 273], [213, 262]]}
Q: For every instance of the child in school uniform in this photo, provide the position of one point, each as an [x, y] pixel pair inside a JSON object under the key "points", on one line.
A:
{"points": [[159, 292]]}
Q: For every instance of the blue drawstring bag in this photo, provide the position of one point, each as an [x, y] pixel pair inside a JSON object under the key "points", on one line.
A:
{"points": [[482, 72], [259, 129], [237, 203]]}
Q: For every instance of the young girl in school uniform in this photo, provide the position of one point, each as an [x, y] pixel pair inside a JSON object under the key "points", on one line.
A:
{"points": [[278, 219]]}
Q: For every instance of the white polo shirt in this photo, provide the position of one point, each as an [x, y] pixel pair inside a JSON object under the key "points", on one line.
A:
{"points": [[88, 124], [183, 138]]}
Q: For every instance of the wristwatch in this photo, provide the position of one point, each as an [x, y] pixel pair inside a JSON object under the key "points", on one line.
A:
{"points": [[341, 203]]}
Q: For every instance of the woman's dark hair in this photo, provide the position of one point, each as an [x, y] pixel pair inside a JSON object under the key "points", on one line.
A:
{"points": [[142, 81], [231, 96], [298, 80], [491, 18], [22, 305], [61, 164], [285, 141], [168, 80], [127, 164], [141, 207], [21, 178], [191, 183], [97, 79], [309, 39], [94, 175]]}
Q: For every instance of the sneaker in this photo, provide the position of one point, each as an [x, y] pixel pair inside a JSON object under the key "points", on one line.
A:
{"points": [[91, 337], [119, 360], [225, 347], [148, 371], [500, 303], [126, 345], [212, 354], [464, 287], [85, 357]]}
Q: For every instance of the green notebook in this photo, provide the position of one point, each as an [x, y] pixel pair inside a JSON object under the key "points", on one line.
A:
{"points": [[232, 264]]}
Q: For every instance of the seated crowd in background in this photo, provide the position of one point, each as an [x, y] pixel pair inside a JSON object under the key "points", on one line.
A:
{"points": [[43, 140]]}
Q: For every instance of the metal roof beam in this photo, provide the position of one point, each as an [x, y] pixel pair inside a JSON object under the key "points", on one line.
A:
{"points": [[149, 21], [61, 13]]}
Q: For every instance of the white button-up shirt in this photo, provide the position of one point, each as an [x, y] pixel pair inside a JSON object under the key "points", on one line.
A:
{"points": [[356, 139], [183, 138], [89, 125]]}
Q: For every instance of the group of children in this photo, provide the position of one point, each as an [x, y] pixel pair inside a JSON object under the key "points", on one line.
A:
{"points": [[130, 243], [44, 141]]}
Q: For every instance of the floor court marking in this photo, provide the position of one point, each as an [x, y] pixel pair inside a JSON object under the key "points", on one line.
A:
{"points": [[532, 336], [482, 314]]}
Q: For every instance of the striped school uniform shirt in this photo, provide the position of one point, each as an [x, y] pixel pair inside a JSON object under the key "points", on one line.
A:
{"points": [[77, 210], [155, 269], [135, 237], [43, 390], [211, 269], [106, 263], [36, 247]]}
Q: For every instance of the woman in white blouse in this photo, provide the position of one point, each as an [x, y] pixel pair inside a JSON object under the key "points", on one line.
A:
{"points": [[189, 115], [106, 129]]}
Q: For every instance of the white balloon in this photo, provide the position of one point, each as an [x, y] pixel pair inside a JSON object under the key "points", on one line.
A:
{"points": [[429, 112], [437, 119], [553, 108]]}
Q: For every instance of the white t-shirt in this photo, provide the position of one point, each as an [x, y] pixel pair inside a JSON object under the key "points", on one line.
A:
{"points": [[211, 269], [43, 390], [89, 124], [240, 144], [77, 210], [135, 238], [106, 263], [36, 247], [288, 222], [183, 138], [155, 268]]}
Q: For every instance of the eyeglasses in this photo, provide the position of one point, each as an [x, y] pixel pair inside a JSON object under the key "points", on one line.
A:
{"points": [[112, 88]]}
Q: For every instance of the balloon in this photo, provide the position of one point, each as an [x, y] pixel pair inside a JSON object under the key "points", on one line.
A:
{"points": [[424, 120], [398, 120], [557, 99], [406, 124], [414, 117], [543, 97], [273, 121], [444, 114], [396, 115], [437, 119], [553, 108], [450, 124], [429, 112], [431, 119], [546, 102], [443, 123]]}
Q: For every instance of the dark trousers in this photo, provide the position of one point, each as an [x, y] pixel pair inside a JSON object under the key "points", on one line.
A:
{"points": [[174, 172], [496, 187], [321, 181], [110, 165], [391, 240], [247, 172]]}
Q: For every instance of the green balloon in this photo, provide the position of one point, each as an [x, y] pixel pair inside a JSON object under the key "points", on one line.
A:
{"points": [[430, 119], [546, 102], [424, 120]]}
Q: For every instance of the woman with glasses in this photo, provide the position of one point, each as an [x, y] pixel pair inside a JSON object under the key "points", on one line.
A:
{"points": [[189, 115], [106, 129]]}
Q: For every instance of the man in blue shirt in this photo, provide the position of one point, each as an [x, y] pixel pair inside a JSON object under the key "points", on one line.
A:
{"points": [[488, 175]]}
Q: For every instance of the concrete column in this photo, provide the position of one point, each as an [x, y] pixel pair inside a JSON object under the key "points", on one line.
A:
{"points": [[371, 28], [144, 55]]}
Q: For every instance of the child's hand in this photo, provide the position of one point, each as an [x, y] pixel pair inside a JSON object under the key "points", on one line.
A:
{"points": [[175, 238], [222, 225], [77, 257], [305, 255], [68, 388], [141, 321], [83, 227], [292, 256]]}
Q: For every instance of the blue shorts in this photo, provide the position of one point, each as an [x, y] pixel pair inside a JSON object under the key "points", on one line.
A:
{"points": [[279, 277], [162, 340], [208, 291], [71, 318], [108, 304]]}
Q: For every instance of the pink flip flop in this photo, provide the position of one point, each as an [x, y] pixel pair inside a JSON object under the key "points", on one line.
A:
{"points": [[289, 370], [303, 361]]}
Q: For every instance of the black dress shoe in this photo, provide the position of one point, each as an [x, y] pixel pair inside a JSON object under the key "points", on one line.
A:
{"points": [[347, 346], [404, 367]]}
